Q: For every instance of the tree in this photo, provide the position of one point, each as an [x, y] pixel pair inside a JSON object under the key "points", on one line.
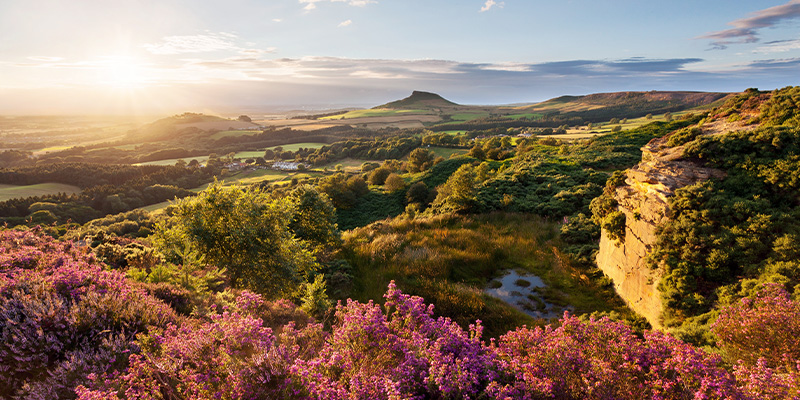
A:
{"points": [[419, 160], [458, 193], [314, 218], [244, 118], [418, 193], [378, 176], [668, 117], [394, 183], [242, 230], [477, 152]]}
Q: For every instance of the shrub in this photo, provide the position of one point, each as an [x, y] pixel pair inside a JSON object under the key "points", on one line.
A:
{"points": [[62, 316], [394, 183], [601, 359]]}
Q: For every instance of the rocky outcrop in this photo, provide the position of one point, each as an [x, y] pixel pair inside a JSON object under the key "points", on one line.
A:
{"points": [[644, 199]]}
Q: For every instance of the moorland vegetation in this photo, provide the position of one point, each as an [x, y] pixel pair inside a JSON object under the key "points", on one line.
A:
{"points": [[279, 290]]}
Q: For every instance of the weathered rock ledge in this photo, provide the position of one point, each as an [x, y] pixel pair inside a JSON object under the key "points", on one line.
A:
{"points": [[644, 199]]}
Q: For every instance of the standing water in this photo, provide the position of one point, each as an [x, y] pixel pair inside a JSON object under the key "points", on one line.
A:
{"points": [[524, 292]]}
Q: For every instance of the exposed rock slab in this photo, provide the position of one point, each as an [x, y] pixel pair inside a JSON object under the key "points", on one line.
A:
{"points": [[644, 199]]}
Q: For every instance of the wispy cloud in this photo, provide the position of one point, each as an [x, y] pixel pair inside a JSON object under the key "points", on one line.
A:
{"points": [[312, 4], [745, 30], [346, 23], [491, 3], [779, 46], [45, 58], [193, 44]]}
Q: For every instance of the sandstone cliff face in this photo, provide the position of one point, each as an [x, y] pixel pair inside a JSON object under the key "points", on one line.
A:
{"points": [[644, 201]]}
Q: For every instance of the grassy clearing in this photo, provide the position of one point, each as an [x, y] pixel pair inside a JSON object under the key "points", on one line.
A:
{"points": [[256, 176], [156, 208], [8, 192], [454, 132], [349, 165], [224, 134], [373, 113], [447, 152], [449, 260]]}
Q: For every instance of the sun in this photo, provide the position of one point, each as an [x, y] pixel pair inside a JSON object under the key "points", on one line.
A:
{"points": [[123, 72]]}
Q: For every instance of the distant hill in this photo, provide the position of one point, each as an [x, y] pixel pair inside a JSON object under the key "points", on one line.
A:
{"points": [[166, 128], [647, 102], [418, 101]]}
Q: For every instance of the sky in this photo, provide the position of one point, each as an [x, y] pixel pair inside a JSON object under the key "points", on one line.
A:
{"points": [[165, 56]]}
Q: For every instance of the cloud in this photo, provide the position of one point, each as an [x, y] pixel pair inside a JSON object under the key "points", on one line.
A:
{"points": [[745, 30], [344, 69], [193, 44], [253, 80], [491, 3], [779, 46], [312, 4], [45, 58], [346, 23]]}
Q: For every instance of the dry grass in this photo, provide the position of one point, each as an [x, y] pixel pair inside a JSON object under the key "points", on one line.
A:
{"points": [[448, 260]]}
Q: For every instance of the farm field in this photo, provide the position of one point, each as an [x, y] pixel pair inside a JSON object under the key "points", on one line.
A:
{"points": [[463, 117], [372, 113], [297, 146], [241, 154], [8, 192]]}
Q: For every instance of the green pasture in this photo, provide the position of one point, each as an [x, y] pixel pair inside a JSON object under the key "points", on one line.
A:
{"points": [[8, 192], [249, 154]]}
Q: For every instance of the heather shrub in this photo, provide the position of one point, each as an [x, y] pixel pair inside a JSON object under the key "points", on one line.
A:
{"points": [[63, 317], [232, 355], [761, 333], [402, 353], [601, 359]]}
